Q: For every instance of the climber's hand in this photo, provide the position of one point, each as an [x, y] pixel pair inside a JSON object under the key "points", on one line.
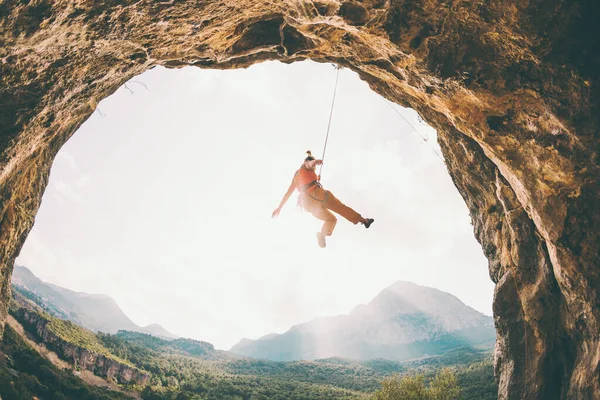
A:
{"points": [[276, 212], [319, 162]]}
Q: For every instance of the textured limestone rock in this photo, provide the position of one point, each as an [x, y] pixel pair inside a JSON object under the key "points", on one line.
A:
{"points": [[79, 357], [511, 86]]}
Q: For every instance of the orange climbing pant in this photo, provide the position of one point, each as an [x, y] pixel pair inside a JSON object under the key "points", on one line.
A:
{"points": [[319, 202]]}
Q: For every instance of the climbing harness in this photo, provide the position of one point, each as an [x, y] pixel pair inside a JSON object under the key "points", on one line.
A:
{"points": [[329, 123], [305, 188], [307, 182], [323, 201], [305, 179]]}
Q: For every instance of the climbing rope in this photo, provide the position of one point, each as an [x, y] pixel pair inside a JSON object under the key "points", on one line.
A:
{"points": [[329, 123], [388, 103], [414, 129]]}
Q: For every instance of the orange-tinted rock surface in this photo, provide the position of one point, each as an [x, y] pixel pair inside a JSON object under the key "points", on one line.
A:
{"points": [[511, 87]]}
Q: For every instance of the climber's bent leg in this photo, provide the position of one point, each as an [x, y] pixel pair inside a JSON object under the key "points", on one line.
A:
{"points": [[333, 204], [324, 215], [313, 203]]}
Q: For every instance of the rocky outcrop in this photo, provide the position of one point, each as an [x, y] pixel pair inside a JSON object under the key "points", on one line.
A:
{"points": [[79, 357], [510, 86]]}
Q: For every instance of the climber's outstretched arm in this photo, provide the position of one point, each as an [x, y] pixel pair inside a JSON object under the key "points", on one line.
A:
{"points": [[285, 198]]}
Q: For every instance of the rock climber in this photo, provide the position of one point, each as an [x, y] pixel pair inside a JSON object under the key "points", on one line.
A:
{"points": [[318, 201]]}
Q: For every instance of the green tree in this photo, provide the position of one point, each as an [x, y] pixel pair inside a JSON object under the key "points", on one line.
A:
{"points": [[402, 388], [443, 387]]}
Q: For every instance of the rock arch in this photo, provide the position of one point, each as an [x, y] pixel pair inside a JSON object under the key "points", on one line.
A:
{"points": [[511, 87]]}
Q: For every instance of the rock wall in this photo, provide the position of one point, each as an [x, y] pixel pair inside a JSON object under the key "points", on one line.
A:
{"points": [[511, 87], [78, 356]]}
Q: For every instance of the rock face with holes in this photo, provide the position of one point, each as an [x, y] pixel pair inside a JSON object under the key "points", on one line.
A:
{"points": [[511, 87]]}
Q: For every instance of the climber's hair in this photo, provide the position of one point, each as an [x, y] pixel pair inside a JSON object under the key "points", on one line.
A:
{"points": [[309, 156]]}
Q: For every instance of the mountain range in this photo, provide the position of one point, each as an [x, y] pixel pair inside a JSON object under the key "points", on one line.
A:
{"points": [[405, 321], [47, 351], [96, 312]]}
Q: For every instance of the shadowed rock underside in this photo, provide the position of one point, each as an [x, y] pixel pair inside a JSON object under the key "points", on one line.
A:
{"points": [[510, 86]]}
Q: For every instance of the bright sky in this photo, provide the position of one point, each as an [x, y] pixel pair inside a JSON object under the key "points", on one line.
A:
{"points": [[163, 201]]}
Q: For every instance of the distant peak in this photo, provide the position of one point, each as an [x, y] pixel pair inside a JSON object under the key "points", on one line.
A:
{"points": [[19, 269], [268, 336], [402, 284], [406, 287], [158, 331]]}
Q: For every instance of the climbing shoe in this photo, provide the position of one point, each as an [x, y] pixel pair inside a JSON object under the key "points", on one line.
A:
{"points": [[321, 239], [368, 223]]}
